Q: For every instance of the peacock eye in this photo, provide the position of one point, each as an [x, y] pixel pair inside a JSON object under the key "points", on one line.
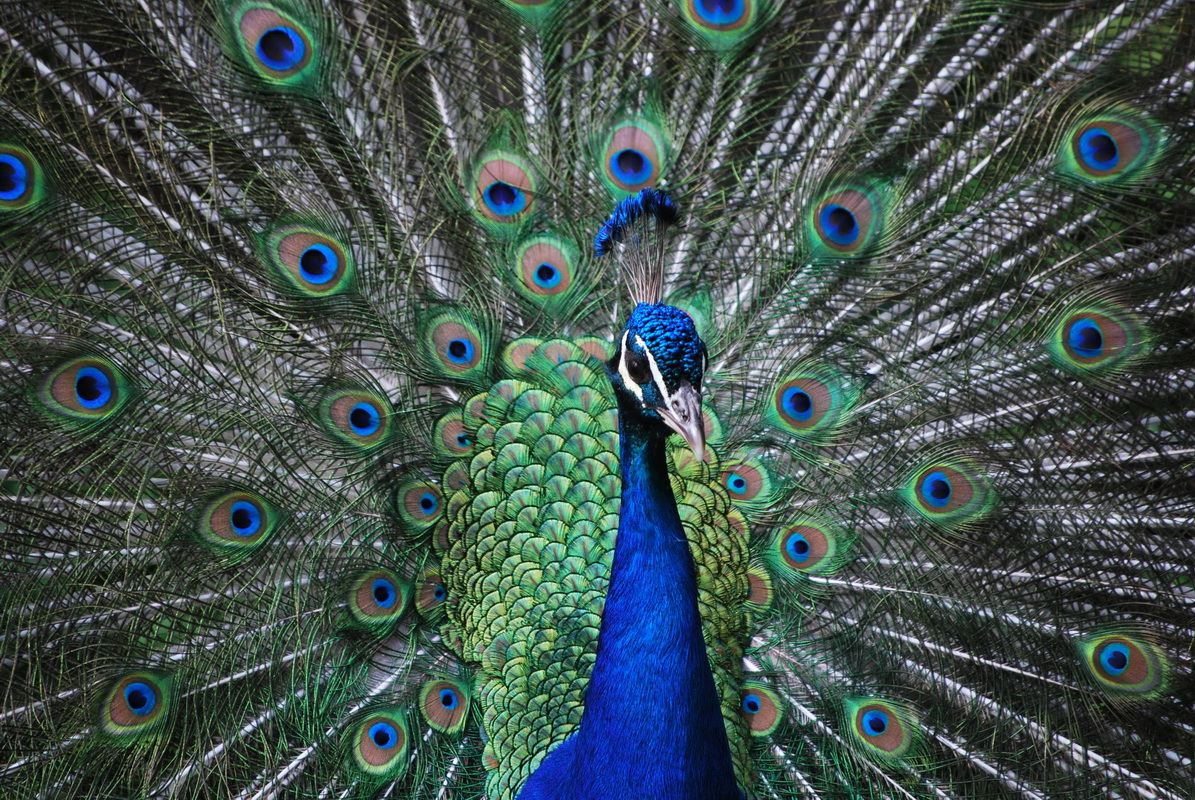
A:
{"points": [[636, 366]]}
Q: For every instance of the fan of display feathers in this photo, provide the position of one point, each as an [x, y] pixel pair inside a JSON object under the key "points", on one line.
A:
{"points": [[342, 344]]}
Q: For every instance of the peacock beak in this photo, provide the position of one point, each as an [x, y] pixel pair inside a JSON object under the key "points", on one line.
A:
{"points": [[682, 413]]}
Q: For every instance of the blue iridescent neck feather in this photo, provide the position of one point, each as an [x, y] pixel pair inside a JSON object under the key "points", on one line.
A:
{"points": [[652, 724]]}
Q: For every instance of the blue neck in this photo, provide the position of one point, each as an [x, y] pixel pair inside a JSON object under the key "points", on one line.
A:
{"points": [[652, 725]]}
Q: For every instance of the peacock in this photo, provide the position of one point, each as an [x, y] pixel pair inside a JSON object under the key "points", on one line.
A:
{"points": [[561, 400]]}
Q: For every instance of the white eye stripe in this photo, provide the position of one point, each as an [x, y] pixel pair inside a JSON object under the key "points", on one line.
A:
{"points": [[624, 372], [656, 376]]}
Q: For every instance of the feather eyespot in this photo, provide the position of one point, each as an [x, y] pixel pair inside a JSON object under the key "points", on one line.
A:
{"points": [[313, 264], [276, 45], [1125, 665], [445, 705], [936, 489], [281, 49], [949, 493], [874, 723], [806, 546], [719, 15], [633, 157], [846, 221], [761, 709], [381, 743], [431, 593], [546, 276], [318, 264], [452, 438], [883, 729], [503, 188], [759, 589], [503, 199], [237, 521], [426, 503], [1090, 338], [1096, 339], [1111, 147], [20, 178], [140, 699], [93, 388], [365, 419], [419, 504], [84, 389], [377, 597], [747, 482], [455, 346], [809, 402], [135, 704], [14, 178], [630, 166], [460, 350], [797, 404], [359, 418], [546, 269]]}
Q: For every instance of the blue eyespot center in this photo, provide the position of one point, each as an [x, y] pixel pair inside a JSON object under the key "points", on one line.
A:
{"points": [[630, 166], [875, 723], [797, 547], [318, 264], [720, 12], [281, 49], [448, 698], [547, 276], [752, 704], [365, 419], [503, 199], [140, 698], [462, 440], [936, 489], [383, 735], [460, 351], [384, 593], [1114, 658], [92, 388], [1098, 149], [1085, 339], [14, 177], [798, 404], [439, 592], [839, 225], [245, 518], [737, 484], [428, 503]]}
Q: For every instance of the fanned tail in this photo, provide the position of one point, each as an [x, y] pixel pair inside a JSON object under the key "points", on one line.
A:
{"points": [[310, 476]]}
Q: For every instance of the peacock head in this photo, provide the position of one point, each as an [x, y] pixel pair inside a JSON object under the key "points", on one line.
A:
{"points": [[656, 372]]}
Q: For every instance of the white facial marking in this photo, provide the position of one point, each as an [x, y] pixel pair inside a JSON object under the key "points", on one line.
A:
{"points": [[656, 376], [622, 368]]}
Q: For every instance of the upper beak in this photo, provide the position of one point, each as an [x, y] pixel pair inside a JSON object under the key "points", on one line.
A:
{"points": [[682, 413]]}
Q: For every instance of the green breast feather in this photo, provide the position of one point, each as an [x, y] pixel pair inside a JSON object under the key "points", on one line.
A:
{"points": [[529, 532]]}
